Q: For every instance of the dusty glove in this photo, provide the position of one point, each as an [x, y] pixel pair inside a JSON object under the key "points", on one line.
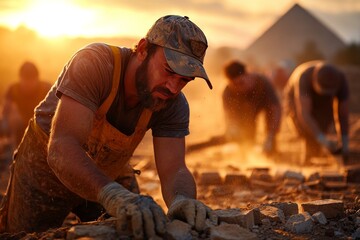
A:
{"points": [[191, 211], [140, 213], [332, 146]]}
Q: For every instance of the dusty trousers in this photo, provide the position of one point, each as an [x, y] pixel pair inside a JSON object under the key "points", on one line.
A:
{"points": [[35, 199]]}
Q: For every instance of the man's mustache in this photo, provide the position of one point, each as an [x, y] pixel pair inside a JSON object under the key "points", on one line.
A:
{"points": [[164, 91]]}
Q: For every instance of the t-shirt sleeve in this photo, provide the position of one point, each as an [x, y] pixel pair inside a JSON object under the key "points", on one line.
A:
{"points": [[87, 77], [172, 121]]}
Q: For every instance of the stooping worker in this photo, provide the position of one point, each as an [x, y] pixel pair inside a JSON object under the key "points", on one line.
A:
{"points": [[20, 100], [244, 98], [315, 91], [76, 150]]}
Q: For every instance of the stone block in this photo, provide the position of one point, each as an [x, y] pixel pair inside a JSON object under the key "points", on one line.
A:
{"points": [[332, 176], [353, 173], [222, 190], [244, 218], [210, 178], [235, 179], [272, 213], [330, 207], [294, 175], [231, 232], [265, 185], [335, 185], [288, 208], [178, 230], [99, 232], [261, 174]]}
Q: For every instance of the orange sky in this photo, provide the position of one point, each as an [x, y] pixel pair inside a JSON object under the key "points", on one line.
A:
{"points": [[225, 22]]}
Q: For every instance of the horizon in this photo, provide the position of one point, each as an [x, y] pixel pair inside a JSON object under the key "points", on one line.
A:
{"points": [[89, 19]]}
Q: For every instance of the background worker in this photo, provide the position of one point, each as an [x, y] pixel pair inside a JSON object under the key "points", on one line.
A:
{"points": [[76, 151], [244, 98], [20, 100], [315, 91]]}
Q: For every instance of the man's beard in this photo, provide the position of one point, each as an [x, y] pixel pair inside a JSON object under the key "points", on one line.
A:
{"points": [[146, 99]]}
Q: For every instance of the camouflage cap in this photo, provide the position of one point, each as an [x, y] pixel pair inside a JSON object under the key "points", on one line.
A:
{"points": [[184, 45]]}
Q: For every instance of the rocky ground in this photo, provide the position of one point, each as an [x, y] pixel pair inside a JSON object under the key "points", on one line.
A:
{"points": [[254, 196]]}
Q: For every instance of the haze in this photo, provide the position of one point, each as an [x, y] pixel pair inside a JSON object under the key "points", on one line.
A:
{"points": [[226, 22]]}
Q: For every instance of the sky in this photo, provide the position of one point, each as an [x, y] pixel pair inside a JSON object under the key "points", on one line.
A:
{"points": [[235, 23]]}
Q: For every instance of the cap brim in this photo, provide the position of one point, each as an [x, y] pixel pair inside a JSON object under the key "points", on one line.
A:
{"points": [[185, 65]]}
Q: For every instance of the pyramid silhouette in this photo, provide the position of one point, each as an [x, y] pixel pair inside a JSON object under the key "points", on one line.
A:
{"points": [[288, 36]]}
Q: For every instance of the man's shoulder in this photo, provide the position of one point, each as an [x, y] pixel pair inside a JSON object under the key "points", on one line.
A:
{"points": [[14, 85], [95, 48], [101, 50]]}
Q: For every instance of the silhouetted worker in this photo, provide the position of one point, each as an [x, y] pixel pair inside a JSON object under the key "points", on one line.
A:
{"points": [[245, 96], [311, 93], [20, 100]]}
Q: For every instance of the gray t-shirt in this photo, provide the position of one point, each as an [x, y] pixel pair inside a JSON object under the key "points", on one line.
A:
{"points": [[87, 78]]}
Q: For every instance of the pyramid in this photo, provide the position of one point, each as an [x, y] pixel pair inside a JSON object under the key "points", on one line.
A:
{"points": [[288, 36]]}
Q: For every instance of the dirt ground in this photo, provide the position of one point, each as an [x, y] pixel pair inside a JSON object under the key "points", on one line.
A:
{"points": [[231, 159]]}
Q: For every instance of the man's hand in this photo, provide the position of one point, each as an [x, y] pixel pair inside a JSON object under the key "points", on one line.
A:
{"points": [[141, 214], [191, 211]]}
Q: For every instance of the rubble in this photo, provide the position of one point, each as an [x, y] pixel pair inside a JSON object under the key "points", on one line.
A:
{"points": [[266, 216], [257, 202], [331, 208], [231, 232], [300, 223]]}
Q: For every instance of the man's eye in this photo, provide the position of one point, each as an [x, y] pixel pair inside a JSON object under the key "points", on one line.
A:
{"points": [[187, 80], [170, 71]]}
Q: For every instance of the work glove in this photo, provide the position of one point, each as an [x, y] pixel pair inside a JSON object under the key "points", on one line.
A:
{"points": [[331, 146], [137, 213], [191, 211]]}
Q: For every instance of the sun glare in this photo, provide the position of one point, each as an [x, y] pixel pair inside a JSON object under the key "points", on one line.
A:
{"points": [[57, 18]]}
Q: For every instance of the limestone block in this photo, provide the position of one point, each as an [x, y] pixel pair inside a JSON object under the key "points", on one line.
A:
{"points": [[244, 218], [210, 178], [330, 207], [178, 230], [231, 232]]}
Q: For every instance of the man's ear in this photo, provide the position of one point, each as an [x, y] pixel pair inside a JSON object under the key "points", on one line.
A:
{"points": [[142, 49]]}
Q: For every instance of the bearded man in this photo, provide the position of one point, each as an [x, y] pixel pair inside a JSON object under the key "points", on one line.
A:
{"points": [[75, 154]]}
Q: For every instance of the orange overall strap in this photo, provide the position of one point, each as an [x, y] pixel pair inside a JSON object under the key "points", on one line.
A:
{"points": [[115, 83]]}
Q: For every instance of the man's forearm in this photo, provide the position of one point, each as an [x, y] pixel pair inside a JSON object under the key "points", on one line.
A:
{"points": [[86, 182], [183, 183]]}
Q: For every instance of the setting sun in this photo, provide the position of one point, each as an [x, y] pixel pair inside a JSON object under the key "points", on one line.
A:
{"points": [[55, 18]]}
